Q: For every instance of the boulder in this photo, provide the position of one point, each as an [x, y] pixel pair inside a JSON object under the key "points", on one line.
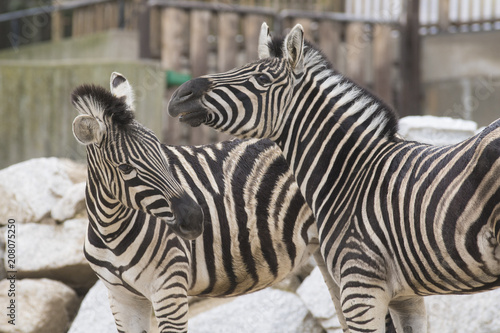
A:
{"points": [[55, 252], [268, 310], [436, 130], [476, 313], [30, 189], [95, 314], [40, 306], [315, 295], [71, 204]]}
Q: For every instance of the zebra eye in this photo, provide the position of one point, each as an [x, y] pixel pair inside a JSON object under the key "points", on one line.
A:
{"points": [[126, 168], [263, 79]]}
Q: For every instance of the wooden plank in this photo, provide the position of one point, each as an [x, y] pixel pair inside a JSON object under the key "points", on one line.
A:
{"points": [[410, 95], [88, 24], [227, 48], [382, 62], [78, 20], [198, 42], [329, 40], [144, 30], [251, 31], [444, 15], [172, 38], [356, 51], [155, 32], [57, 29], [99, 18]]}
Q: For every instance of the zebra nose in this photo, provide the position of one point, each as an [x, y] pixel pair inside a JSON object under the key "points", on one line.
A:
{"points": [[188, 92], [189, 217]]}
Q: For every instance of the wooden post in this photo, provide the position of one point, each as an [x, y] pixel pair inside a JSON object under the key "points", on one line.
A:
{"points": [[172, 28], [356, 51], [99, 17], [144, 30], [382, 62], [198, 42], [155, 32], [57, 28], [410, 96], [329, 40], [444, 15], [227, 49], [251, 31], [198, 51]]}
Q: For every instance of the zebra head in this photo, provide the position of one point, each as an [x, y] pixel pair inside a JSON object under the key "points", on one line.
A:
{"points": [[250, 101], [125, 159]]}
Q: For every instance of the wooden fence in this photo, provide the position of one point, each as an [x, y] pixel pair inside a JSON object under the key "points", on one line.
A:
{"points": [[199, 38], [378, 50]]}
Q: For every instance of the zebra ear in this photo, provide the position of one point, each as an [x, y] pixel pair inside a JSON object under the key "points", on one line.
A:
{"points": [[264, 39], [294, 47], [88, 129], [121, 88]]}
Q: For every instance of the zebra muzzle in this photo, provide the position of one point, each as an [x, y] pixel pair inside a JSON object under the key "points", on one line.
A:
{"points": [[188, 217], [186, 102]]}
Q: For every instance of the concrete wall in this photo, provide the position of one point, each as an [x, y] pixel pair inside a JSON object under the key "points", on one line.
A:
{"points": [[461, 76], [112, 44], [36, 83]]}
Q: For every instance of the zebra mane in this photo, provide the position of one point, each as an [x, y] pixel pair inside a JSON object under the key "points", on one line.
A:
{"points": [[315, 59], [98, 102]]}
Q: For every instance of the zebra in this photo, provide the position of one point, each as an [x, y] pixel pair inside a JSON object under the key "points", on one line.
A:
{"points": [[257, 228], [397, 220]]}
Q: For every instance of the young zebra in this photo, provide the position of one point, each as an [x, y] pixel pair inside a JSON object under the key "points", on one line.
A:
{"points": [[397, 220], [257, 226]]}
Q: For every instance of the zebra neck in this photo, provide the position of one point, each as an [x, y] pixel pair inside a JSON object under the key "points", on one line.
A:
{"points": [[330, 120], [108, 216]]}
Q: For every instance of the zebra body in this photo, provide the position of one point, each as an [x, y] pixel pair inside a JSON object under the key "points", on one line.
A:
{"points": [[257, 226], [397, 220]]}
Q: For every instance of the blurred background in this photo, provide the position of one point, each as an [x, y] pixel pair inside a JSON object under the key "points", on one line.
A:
{"points": [[425, 57]]}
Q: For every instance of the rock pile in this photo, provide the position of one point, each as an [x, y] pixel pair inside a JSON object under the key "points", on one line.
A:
{"points": [[56, 291], [44, 272]]}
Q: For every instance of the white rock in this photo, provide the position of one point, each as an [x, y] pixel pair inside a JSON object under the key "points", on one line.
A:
{"points": [[55, 252], [464, 313], [436, 130], [95, 314], [41, 306], [70, 204], [30, 189], [314, 292], [266, 311]]}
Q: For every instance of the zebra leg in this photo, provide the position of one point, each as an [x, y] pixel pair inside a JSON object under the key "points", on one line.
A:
{"points": [[132, 313], [409, 315], [333, 288], [171, 309], [365, 308]]}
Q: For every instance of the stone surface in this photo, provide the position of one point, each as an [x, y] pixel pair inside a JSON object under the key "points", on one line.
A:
{"points": [[30, 189], [95, 314], [436, 130], [315, 295], [41, 306], [71, 204], [55, 252], [464, 313], [266, 311]]}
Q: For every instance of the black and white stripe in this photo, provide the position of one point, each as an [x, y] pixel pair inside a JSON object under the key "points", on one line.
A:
{"points": [[397, 220], [257, 226]]}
